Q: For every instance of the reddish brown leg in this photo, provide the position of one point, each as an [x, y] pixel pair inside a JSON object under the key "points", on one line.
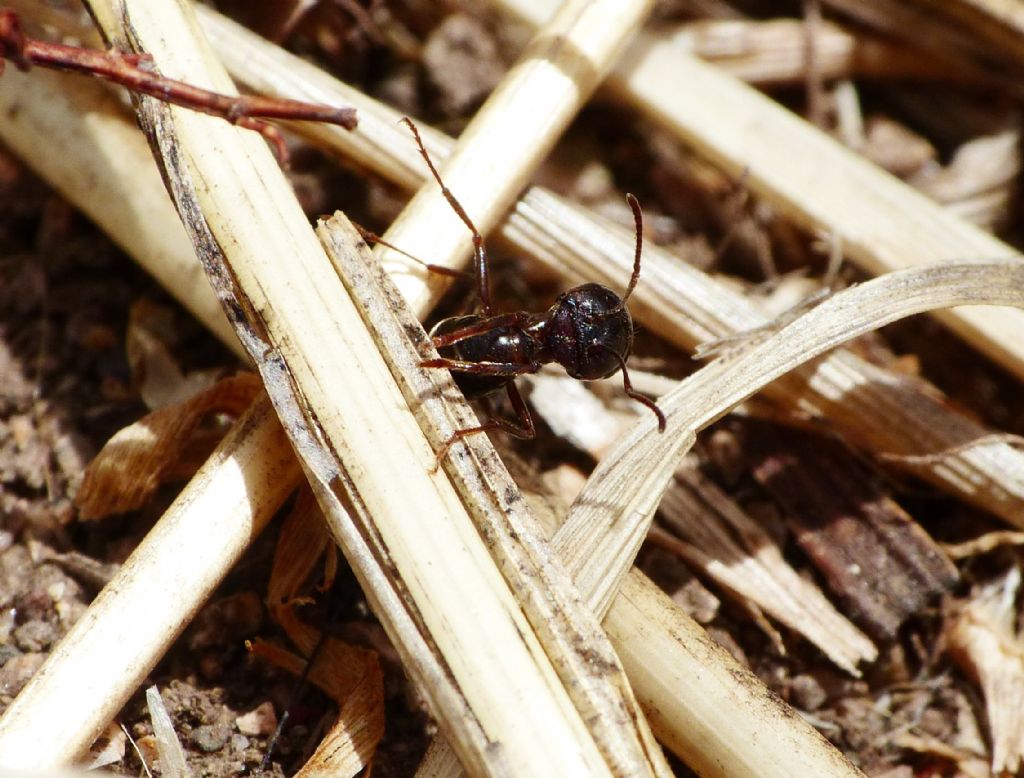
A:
{"points": [[479, 250], [524, 430], [509, 369], [631, 392], [441, 270], [517, 319]]}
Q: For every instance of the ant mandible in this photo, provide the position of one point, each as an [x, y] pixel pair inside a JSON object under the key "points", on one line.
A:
{"points": [[588, 331]]}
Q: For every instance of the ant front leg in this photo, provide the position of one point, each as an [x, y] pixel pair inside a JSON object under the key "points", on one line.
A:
{"points": [[524, 429]]}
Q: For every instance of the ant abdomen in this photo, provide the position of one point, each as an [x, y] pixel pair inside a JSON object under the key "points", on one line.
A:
{"points": [[589, 332]]}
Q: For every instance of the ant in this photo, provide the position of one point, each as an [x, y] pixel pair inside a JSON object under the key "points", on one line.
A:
{"points": [[588, 331]]}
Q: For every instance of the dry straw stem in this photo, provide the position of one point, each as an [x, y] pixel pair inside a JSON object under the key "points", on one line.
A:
{"points": [[677, 699], [704, 705], [775, 51], [133, 621], [989, 33], [873, 408], [883, 224], [420, 559], [512, 133]]}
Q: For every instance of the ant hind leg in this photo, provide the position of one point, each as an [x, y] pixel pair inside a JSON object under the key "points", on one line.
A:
{"points": [[524, 429]]}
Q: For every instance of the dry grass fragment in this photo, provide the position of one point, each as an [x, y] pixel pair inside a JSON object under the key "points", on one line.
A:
{"points": [[986, 641]]}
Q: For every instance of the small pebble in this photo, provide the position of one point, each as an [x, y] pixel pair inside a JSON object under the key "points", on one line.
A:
{"points": [[35, 635], [17, 671], [261, 720], [210, 737]]}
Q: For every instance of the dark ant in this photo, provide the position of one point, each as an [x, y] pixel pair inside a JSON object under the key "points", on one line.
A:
{"points": [[588, 331]]}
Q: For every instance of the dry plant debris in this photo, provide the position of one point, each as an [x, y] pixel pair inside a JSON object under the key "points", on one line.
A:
{"points": [[762, 513]]}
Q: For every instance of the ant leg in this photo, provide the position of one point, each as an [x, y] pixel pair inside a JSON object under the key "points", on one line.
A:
{"points": [[441, 270], [524, 430], [516, 319], [500, 369], [630, 391], [479, 250]]}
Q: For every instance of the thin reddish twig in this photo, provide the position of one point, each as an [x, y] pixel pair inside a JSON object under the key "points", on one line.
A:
{"points": [[135, 72]]}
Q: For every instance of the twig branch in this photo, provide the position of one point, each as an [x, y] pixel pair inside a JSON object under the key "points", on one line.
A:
{"points": [[137, 73]]}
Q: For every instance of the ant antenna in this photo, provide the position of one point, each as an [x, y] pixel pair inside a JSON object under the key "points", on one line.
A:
{"points": [[479, 251], [628, 385], [638, 223]]}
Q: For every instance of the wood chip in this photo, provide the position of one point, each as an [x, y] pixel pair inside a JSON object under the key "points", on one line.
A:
{"points": [[875, 558], [727, 545]]}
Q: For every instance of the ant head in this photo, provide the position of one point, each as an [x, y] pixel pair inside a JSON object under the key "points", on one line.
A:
{"points": [[589, 332]]}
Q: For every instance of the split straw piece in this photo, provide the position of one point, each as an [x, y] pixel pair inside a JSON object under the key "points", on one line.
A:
{"points": [[873, 408], [420, 559], [774, 51]]}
